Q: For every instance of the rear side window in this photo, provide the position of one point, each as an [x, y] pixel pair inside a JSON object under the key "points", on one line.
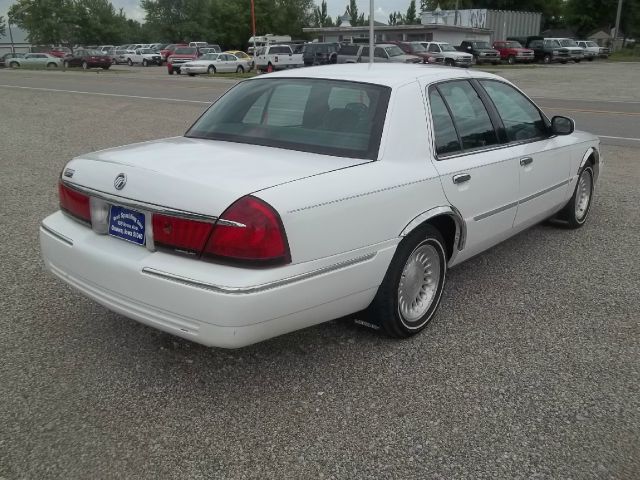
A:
{"points": [[469, 114], [446, 138], [279, 50]]}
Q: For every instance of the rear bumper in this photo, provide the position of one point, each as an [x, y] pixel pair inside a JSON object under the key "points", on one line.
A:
{"points": [[207, 303]]}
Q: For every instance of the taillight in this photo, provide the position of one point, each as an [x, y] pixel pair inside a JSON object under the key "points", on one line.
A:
{"points": [[258, 238], [74, 203], [185, 235]]}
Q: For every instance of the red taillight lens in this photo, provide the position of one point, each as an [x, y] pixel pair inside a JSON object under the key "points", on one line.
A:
{"points": [[180, 233], [262, 239], [74, 202]]}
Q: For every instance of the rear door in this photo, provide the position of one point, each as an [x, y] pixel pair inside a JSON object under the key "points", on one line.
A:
{"points": [[478, 175], [544, 160]]}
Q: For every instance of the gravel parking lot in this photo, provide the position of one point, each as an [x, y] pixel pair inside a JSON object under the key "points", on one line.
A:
{"points": [[530, 370]]}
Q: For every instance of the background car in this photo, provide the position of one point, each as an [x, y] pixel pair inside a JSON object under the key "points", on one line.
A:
{"points": [[60, 52], [88, 59], [450, 56], [35, 60], [212, 63], [418, 50], [143, 56], [5, 59], [169, 49], [481, 51], [512, 52], [320, 53], [180, 56], [592, 49]]}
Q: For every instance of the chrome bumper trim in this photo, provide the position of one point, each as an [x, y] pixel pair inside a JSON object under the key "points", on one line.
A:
{"points": [[255, 288], [57, 235]]}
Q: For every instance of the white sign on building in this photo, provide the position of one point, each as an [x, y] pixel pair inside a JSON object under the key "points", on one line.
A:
{"points": [[475, 18]]}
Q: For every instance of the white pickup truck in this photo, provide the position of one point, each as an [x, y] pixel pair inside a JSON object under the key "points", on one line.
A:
{"points": [[277, 57]]}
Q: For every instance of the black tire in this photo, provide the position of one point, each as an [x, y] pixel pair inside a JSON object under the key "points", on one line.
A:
{"points": [[191, 74], [170, 71], [14, 65], [546, 59], [578, 60], [495, 63], [66, 64], [85, 66], [240, 69], [211, 70], [129, 62], [52, 65], [145, 63], [590, 59], [563, 62], [449, 63], [385, 310], [114, 61], [571, 214], [511, 60], [106, 67]]}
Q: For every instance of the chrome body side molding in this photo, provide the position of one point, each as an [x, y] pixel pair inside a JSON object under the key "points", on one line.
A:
{"points": [[256, 288]]}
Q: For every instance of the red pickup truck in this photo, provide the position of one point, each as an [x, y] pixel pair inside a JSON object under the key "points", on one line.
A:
{"points": [[167, 51], [512, 52], [179, 56]]}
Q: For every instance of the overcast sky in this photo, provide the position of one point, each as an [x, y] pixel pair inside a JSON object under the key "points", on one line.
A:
{"points": [[335, 7]]}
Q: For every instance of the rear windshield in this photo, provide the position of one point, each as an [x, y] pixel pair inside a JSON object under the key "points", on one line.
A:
{"points": [[481, 45], [330, 117]]}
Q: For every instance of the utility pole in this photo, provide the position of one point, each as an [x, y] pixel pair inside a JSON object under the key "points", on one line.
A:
{"points": [[617, 33], [372, 39], [13, 47]]}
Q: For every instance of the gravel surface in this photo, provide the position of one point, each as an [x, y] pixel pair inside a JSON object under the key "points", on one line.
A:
{"points": [[530, 370]]}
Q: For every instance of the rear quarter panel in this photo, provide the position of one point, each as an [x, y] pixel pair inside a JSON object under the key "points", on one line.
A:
{"points": [[369, 204]]}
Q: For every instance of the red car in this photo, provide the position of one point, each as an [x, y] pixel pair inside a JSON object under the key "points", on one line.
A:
{"points": [[419, 50], [166, 52], [179, 56], [512, 51], [88, 59], [59, 52]]}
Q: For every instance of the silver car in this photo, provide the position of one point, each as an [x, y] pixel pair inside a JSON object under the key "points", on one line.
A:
{"points": [[383, 53], [35, 60]]}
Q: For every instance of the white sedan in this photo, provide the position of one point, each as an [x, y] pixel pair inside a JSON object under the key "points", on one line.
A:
{"points": [[300, 197], [212, 63], [35, 60]]}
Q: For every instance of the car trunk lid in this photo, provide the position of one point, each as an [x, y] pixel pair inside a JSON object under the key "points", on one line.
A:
{"points": [[195, 175]]}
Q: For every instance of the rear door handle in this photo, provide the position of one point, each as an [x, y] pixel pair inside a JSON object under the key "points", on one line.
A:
{"points": [[526, 161], [461, 178]]}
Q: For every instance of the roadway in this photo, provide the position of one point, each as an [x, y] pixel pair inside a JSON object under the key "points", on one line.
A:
{"points": [[616, 122]]}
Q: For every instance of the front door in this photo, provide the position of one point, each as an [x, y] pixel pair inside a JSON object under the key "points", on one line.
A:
{"points": [[479, 177], [544, 160]]}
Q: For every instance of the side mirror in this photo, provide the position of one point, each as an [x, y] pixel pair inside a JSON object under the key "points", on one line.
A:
{"points": [[562, 125]]}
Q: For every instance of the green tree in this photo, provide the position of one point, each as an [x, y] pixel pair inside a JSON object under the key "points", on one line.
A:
{"points": [[320, 16], [352, 12], [410, 17], [588, 15], [396, 18], [46, 21], [2, 26]]}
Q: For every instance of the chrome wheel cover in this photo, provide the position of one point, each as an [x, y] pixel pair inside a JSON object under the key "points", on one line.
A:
{"points": [[583, 195], [419, 282]]}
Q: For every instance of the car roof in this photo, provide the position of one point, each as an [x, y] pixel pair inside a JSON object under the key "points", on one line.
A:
{"points": [[391, 75]]}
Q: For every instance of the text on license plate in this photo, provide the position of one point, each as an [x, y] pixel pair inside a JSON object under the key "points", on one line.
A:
{"points": [[127, 224]]}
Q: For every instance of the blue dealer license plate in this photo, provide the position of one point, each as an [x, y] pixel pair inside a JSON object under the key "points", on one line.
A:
{"points": [[127, 224]]}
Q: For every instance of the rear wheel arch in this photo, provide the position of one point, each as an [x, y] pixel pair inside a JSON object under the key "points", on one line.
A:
{"points": [[448, 221]]}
